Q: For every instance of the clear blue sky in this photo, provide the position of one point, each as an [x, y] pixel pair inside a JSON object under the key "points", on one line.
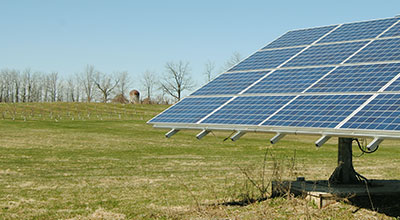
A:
{"points": [[133, 36]]}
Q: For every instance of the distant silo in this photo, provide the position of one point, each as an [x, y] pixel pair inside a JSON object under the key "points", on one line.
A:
{"points": [[134, 97]]}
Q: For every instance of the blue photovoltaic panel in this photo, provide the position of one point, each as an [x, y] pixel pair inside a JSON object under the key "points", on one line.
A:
{"points": [[299, 37], [325, 54], [230, 83], [289, 80], [382, 113], [379, 50], [359, 30], [266, 59], [287, 98], [319, 111], [249, 110], [360, 78], [394, 31], [394, 87], [190, 110]]}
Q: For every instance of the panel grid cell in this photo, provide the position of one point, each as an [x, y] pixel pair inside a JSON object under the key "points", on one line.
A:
{"points": [[319, 111], [379, 50], [266, 59], [392, 32], [230, 83], [382, 113], [299, 37], [360, 78], [359, 30], [331, 54], [249, 110], [289, 80], [190, 110]]}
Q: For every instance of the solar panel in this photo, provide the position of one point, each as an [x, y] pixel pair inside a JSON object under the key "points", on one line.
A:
{"points": [[359, 78], [338, 80], [230, 83], [379, 50], [266, 59], [321, 111], [299, 37], [249, 110], [394, 31], [359, 30], [394, 87], [289, 80], [325, 54], [189, 110], [382, 113]]}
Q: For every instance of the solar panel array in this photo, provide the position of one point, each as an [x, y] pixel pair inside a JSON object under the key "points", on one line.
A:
{"points": [[335, 78]]}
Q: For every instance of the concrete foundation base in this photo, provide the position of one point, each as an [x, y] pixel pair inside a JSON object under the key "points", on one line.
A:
{"points": [[323, 193]]}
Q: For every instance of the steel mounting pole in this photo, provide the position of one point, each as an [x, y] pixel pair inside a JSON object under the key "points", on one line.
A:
{"points": [[344, 172]]}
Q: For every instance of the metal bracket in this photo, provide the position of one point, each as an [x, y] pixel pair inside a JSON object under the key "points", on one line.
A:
{"points": [[171, 133], [277, 137], [322, 141], [202, 134], [374, 144], [238, 134]]}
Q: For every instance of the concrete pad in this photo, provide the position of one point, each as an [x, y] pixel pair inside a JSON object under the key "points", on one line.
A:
{"points": [[323, 194]]}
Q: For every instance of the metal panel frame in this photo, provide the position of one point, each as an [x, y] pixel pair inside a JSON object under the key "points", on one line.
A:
{"points": [[286, 130]]}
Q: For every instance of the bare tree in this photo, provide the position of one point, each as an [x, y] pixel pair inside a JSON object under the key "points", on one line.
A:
{"points": [[235, 58], [37, 88], [15, 75], [209, 70], [87, 82], [78, 88], [3, 86], [177, 79], [148, 81], [124, 82], [106, 84], [61, 91], [71, 96], [26, 85], [52, 80], [72, 88]]}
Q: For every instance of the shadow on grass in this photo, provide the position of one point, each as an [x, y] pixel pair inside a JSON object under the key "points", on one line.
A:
{"points": [[388, 205], [242, 202], [383, 195]]}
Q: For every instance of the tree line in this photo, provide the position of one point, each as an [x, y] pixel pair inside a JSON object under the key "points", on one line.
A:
{"points": [[91, 85], [87, 86]]}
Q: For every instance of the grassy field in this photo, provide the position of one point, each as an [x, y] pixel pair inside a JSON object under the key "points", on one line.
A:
{"points": [[101, 161]]}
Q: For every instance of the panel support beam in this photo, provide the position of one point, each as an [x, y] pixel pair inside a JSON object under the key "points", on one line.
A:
{"points": [[202, 134], [237, 135], [322, 141], [289, 130], [276, 138], [171, 133]]}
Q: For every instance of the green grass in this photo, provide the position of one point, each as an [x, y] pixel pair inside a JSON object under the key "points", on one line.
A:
{"points": [[74, 160]]}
